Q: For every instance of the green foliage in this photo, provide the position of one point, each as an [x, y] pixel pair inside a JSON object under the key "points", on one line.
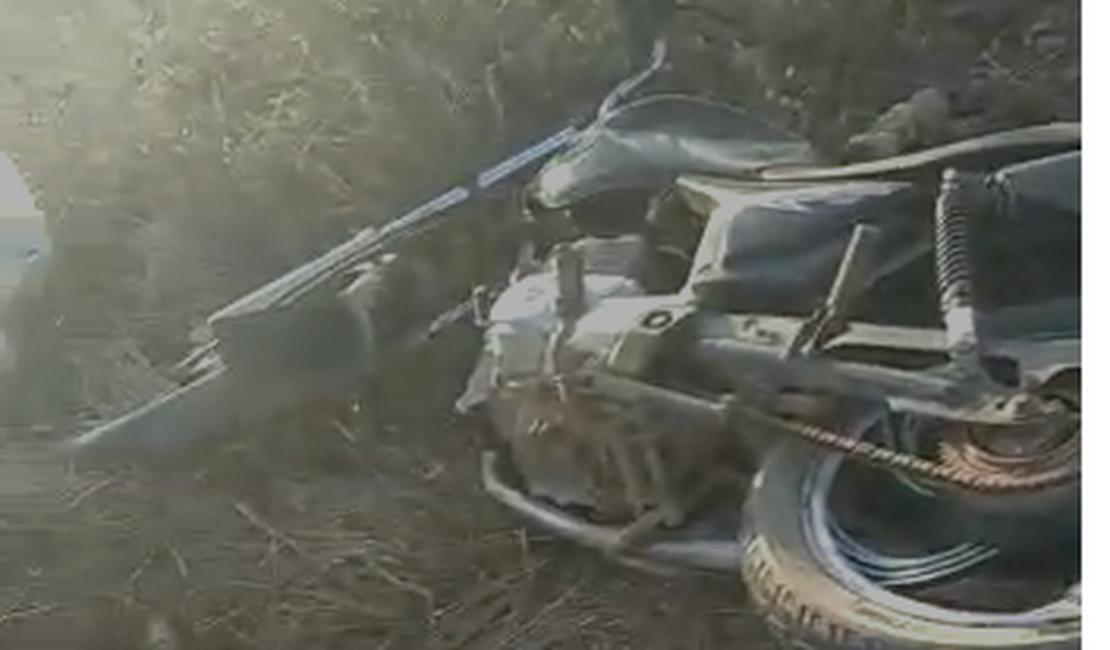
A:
{"points": [[203, 145], [220, 141]]}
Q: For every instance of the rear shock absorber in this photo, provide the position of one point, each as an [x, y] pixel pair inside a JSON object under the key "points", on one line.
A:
{"points": [[961, 195]]}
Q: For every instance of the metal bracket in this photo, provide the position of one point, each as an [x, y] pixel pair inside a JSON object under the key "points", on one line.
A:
{"points": [[829, 319], [639, 345]]}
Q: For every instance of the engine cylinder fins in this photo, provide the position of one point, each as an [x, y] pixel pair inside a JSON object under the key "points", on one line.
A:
{"points": [[608, 447]]}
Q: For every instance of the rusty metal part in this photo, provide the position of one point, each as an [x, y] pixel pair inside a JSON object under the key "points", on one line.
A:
{"points": [[1042, 444], [658, 404], [960, 451], [1039, 427], [919, 468], [657, 437], [621, 447]]}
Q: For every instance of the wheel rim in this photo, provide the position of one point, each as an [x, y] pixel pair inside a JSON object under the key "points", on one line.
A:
{"points": [[876, 575]]}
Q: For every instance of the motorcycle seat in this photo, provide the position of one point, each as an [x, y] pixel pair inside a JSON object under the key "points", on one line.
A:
{"points": [[652, 141]]}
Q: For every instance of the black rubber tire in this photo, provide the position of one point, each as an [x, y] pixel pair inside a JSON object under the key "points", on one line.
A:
{"points": [[807, 607]]}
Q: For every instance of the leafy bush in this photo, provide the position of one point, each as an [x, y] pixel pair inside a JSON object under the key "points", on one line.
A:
{"points": [[187, 150], [223, 141]]}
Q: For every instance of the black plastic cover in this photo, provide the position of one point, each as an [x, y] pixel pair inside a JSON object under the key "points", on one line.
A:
{"points": [[650, 142], [777, 251], [1046, 184]]}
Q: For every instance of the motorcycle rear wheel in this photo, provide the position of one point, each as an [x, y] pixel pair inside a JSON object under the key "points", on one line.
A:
{"points": [[809, 600]]}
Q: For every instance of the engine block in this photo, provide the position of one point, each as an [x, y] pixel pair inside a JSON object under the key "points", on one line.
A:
{"points": [[580, 431]]}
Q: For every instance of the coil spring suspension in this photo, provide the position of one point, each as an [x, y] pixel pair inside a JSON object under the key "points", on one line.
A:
{"points": [[961, 195]]}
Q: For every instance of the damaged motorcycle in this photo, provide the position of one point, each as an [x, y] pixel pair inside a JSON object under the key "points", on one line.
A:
{"points": [[855, 387]]}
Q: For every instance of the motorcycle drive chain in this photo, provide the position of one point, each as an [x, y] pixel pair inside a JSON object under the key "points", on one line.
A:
{"points": [[888, 459]]}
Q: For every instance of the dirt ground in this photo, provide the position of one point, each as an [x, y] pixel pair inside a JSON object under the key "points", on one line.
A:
{"points": [[337, 531], [360, 524]]}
